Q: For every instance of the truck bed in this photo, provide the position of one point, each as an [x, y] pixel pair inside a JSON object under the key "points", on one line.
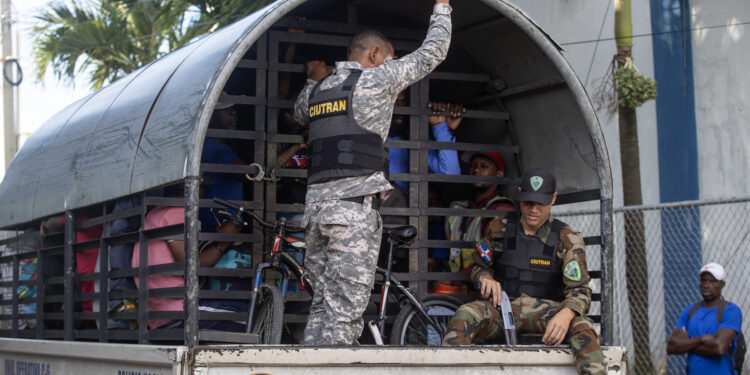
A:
{"points": [[21, 357]]}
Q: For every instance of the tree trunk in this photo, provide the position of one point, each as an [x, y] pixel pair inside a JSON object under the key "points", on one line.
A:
{"points": [[636, 266]]}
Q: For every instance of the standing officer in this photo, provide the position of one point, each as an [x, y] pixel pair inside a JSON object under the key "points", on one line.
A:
{"points": [[349, 114], [528, 255]]}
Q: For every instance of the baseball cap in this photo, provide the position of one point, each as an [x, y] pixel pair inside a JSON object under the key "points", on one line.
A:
{"points": [[537, 185], [714, 269], [494, 156], [224, 101]]}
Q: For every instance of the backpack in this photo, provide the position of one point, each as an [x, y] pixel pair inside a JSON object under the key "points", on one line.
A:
{"points": [[738, 355]]}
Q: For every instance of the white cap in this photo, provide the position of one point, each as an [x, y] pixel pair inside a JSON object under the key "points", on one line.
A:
{"points": [[714, 269], [224, 101]]}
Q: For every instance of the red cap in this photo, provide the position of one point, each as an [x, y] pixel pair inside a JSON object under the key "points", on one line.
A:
{"points": [[495, 156]]}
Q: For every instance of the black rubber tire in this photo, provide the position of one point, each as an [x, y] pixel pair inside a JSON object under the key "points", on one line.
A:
{"points": [[269, 315], [410, 327]]}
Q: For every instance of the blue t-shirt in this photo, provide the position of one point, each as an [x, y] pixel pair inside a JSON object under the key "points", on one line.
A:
{"points": [[704, 322], [438, 161], [219, 185]]}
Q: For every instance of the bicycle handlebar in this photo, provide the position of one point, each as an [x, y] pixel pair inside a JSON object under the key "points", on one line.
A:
{"points": [[242, 211]]}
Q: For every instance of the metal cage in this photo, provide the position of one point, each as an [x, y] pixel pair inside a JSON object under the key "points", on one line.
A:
{"points": [[147, 130]]}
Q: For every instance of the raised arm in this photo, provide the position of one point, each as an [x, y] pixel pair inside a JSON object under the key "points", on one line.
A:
{"points": [[316, 70], [409, 69]]}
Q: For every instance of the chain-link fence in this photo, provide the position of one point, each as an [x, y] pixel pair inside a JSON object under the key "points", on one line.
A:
{"points": [[658, 252]]}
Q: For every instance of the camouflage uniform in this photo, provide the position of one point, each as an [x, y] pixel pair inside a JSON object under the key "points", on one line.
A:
{"points": [[343, 238], [479, 320]]}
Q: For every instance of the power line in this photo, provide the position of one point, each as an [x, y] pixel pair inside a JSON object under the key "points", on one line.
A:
{"points": [[596, 47], [657, 33]]}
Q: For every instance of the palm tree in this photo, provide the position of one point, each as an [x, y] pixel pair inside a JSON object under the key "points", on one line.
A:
{"points": [[107, 39]]}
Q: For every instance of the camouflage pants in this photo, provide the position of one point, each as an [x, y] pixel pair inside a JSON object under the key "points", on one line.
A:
{"points": [[343, 240], [478, 321]]}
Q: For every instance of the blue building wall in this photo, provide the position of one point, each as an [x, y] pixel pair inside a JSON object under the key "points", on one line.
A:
{"points": [[678, 158]]}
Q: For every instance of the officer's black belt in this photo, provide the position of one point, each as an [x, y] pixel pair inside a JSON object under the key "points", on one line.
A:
{"points": [[361, 200]]}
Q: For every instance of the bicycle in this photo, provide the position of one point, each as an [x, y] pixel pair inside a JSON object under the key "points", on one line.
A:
{"points": [[419, 322], [267, 320]]}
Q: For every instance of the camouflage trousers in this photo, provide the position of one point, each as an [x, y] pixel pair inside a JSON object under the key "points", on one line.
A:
{"points": [[343, 241], [478, 321]]}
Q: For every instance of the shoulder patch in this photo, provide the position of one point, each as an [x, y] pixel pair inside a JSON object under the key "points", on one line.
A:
{"points": [[572, 271]]}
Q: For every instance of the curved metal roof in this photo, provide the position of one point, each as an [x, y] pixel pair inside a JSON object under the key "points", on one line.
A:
{"points": [[147, 129]]}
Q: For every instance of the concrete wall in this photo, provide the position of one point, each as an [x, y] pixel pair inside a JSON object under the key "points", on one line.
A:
{"points": [[722, 96]]}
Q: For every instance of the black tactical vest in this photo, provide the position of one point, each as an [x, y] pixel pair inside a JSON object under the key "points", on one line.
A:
{"points": [[528, 266], [339, 147]]}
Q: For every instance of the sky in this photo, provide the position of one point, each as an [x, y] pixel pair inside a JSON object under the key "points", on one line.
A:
{"points": [[38, 101]]}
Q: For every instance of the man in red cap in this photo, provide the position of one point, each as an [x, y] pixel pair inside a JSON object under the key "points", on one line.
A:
{"points": [[486, 197]]}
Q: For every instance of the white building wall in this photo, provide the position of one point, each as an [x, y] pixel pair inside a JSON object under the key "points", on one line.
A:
{"points": [[722, 96], [569, 22]]}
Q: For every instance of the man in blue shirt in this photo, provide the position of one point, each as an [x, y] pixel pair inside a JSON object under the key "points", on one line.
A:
{"points": [[709, 342], [442, 128], [216, 151]]}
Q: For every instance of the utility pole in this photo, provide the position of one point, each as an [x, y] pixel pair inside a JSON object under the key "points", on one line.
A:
{"points": [[10, 140]]}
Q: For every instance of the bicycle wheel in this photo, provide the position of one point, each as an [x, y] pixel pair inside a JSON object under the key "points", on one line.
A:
{"points": [[412, 328], [269, 316]]}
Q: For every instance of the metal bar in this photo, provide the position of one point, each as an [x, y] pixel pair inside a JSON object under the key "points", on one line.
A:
{"points": [[40, 294], [457, 179], [532, 88], [192, 228], [235, 134], [414, 133], [230, 168], [233, 237], [578, 196], [178, 202], [252, 64], [708, 202], [14, 295], [143, 276], [289, 172], [660, 206], [22, 236], [245, 100], [438, 211], [280, 103], [69, 269], [457, 76], [517, 92], [422, 229], [471, 113], [9, 258], [104, 277], [607, 275], [285, 138], [262, 80], [461, 146]]}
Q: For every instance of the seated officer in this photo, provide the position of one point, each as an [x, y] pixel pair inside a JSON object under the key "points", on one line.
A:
{"points": [[528, 255]]}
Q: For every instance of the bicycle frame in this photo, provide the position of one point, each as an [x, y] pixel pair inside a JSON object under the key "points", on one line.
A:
{"points": [[280, 261], [377, 326]]}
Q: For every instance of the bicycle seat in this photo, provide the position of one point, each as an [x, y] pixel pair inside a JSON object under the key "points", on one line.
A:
{"points": [[401, 234]]}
